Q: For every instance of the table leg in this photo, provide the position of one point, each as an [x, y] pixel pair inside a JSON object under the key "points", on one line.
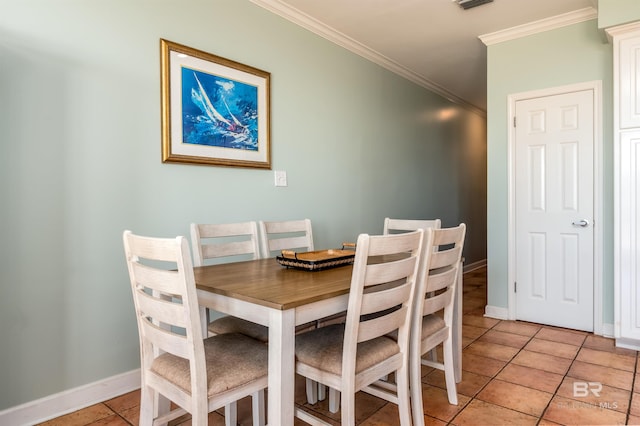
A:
{"points": [[204, 321], [280, 411], [457, 327]]}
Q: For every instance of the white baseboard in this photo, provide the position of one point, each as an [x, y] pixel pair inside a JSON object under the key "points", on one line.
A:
{"points": [[607, 330], [628, 343], [475, 265], [70, 400], [496, 312]]}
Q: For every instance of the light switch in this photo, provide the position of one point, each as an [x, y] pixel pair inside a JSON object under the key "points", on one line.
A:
{"points": [[281, 178]]}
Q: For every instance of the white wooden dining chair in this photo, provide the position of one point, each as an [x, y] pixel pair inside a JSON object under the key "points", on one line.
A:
{"points": [[228, 242], [276, 236], [352, 356], [177, 364], [403, 225], [432, 321], [392, 226]]}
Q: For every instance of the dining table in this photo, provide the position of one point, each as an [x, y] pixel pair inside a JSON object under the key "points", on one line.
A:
{"points": [[265, 292]]}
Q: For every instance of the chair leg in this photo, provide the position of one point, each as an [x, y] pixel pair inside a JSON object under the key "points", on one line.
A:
{"points": [[161, 403], [404, 406], [322, 392], [415, 386], [200, 414], [257, 406], [449, 371], [348, 403], [312, 391], [230, 414], [148, 408], [205, 316], [334, 400]]}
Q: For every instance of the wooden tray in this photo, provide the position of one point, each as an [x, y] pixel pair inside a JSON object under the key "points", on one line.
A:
{"points": [[317, 260]]}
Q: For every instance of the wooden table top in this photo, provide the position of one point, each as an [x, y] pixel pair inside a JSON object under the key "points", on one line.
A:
{"points": [[266, 282]]}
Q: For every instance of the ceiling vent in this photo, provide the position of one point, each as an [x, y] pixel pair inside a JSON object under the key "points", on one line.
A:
{"points": [[468, 4]]}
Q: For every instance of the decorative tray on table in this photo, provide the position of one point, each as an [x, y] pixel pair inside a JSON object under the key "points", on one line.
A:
{"points": [[319, 259]]}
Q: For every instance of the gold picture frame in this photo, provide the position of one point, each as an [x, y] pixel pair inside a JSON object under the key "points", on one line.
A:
{"points": [[215, 111]]}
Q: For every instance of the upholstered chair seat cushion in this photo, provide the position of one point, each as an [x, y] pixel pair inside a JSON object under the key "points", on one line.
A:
{"points": [[231, 324], [322, 349], [431, 324], [232, 360]]}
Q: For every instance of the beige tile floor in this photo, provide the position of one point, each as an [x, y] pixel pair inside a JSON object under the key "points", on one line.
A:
{"points": [[514, 373]]}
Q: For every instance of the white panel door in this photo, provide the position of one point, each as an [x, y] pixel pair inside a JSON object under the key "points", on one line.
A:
{"points": [[554, 209]]}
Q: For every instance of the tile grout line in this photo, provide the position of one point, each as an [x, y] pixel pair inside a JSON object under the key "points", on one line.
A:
{"points": [[633, 384], [505, 366], [564, 376], [474, 396], [486, 384]]}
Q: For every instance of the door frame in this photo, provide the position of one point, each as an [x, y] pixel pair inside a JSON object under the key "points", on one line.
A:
{"points": [[598, 192]]}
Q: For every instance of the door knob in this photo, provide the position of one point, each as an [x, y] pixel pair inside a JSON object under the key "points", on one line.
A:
{"points": [[582, 223]]}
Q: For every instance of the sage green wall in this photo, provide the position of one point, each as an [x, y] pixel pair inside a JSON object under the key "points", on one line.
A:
{"points": [[564, 56], [80, 133], [616, 12]]}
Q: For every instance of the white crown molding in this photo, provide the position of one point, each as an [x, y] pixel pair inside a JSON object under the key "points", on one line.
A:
{"points": [[622, 30], [559, 21], [302, 19]]}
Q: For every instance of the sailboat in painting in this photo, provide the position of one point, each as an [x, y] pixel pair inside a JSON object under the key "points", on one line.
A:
{"points": [[210, 126]]}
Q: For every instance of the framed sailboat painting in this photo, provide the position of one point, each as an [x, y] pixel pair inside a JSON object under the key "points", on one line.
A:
{"points": [[214, 111]]}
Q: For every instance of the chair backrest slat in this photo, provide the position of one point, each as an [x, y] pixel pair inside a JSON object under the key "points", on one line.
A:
{"points": [[380, 300], [163, 250], [441, 278], [288, 243], [444, 258], [233, 248], [382, 325], [438, 302], [385, 272], [446, 236], [161, 310], [163, 281], [159, 339]]}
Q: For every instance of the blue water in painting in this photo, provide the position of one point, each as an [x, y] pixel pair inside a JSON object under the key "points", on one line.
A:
{"points": [[218, 112]]}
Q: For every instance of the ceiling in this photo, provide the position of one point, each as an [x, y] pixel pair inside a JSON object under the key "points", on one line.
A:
{"points": [[434, 43]]}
